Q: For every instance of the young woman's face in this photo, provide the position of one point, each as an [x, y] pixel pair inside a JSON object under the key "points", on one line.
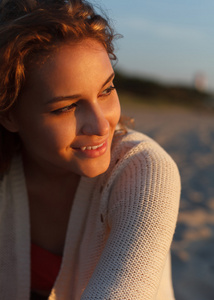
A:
{"points": [[68, 111]]}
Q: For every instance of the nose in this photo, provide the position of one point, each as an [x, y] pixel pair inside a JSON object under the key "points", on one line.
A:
{"points": [[95, 122]]}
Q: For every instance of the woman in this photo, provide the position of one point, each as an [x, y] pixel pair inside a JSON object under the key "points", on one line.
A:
{"points": [[87, 209]]}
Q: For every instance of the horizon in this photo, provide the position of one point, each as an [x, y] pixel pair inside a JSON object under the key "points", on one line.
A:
{"points": [[166, 42]]}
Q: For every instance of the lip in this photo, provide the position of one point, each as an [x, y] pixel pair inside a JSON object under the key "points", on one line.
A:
{"points": [[93, 153]]}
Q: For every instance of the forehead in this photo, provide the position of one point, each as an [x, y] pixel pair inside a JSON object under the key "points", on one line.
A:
{"points": [[81, 68], [76, 61]]}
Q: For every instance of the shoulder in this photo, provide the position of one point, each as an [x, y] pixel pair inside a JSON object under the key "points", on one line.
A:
{"points": [[140, 171], [137, 147]]}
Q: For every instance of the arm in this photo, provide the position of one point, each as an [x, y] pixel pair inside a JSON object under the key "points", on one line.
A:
{"points": [[143, 211]]}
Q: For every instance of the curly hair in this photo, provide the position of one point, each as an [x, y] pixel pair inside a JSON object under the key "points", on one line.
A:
{"points": [[32, 29]]}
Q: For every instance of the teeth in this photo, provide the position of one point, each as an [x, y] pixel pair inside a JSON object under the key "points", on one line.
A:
{"points": [[91, 147]]}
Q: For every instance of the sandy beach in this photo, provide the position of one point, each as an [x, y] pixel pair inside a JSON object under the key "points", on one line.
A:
{"points": [[188, 136]]}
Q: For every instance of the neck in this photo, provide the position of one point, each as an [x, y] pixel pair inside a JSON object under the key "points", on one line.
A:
{"points": [[40, 171], [49, 186]]}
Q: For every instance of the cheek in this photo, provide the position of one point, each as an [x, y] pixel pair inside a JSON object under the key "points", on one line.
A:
{"points": [[49, 134], [61, 133]]}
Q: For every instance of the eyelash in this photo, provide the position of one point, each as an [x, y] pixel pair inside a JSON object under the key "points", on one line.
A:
{"points": [[65, 109], [72, 106], [108, 90]]}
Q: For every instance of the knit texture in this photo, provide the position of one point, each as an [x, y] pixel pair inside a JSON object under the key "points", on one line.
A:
{"points": [[119, 233]]}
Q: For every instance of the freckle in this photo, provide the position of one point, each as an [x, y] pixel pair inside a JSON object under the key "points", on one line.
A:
{"points": [[101, 218]]}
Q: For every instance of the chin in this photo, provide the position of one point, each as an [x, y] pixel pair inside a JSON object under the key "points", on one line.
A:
{"points": [[95, 171], [92, 174]]}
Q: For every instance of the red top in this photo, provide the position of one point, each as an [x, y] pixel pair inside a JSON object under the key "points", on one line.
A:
{"points": [[44, 268]]}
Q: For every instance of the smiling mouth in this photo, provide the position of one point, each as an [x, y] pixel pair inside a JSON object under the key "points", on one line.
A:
{"points": [[91, 147], [92, 151]]}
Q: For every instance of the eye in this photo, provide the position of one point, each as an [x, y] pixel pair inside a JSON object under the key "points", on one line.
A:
{"points": [[107, 91], [65, 109]]}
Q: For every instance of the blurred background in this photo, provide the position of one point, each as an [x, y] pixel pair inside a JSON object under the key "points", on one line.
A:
{"points": [[165, 80]]}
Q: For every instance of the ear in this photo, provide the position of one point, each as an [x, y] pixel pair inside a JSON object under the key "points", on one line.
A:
{"points": [[8, 122]]}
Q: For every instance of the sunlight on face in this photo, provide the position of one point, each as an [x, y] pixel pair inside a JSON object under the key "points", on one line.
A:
{"points": [[68, 111]]}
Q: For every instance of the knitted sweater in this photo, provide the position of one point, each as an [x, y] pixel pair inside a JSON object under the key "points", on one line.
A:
{"points": [[119, 233]]}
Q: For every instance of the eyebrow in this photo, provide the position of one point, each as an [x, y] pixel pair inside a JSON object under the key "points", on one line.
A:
{"points": [[72, 97], [108, 79]]}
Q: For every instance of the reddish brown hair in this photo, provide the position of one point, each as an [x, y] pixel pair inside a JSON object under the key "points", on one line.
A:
{"points": [[32, 29]]}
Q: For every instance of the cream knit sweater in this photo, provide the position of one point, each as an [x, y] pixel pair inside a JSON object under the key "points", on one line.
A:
{"points": [[119, 234]]}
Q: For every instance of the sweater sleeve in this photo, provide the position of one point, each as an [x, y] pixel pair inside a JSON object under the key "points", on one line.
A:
{"points": [[143, 208]]}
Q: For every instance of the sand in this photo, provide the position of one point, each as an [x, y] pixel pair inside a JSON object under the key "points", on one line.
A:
{"points": [[188, 136]]}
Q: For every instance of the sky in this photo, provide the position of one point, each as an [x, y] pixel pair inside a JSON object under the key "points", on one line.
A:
{"points": [[166, 40]]}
